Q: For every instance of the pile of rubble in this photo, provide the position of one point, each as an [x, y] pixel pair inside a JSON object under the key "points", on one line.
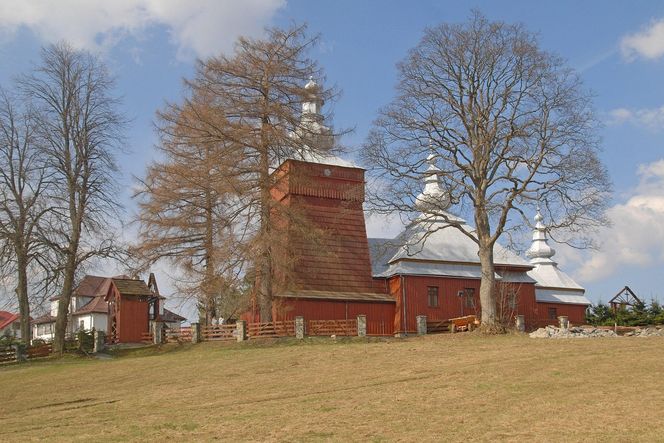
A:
{"points": [[587, 332], [657, 331], [574, 332]]}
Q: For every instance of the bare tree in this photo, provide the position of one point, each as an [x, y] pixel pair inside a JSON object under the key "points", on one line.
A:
{"points": [[186, 215], [81, 129], [250, 104], [23, 205], [507, 124]]}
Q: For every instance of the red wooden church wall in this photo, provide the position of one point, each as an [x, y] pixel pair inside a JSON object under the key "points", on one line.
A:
{"points": [[380, 315]]}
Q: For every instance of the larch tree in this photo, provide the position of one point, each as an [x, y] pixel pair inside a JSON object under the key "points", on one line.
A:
{"points": [[187, 211], [82, 129], [23, 204], [506, 124], [250, 104]]}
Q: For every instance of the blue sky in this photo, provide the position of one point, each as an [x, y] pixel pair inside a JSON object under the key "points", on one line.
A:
{"points": [[617, 47]]}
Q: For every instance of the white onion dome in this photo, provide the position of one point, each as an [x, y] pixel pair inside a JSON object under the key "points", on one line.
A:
{"points": [[433, 197], [540, 251]]}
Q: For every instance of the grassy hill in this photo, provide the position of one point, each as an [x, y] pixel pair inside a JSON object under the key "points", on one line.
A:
{"points": [[460, 387]]}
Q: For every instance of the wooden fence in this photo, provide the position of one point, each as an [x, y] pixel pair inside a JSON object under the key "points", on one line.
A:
{"points": [[8, 355], [346, 327], [177, 335], [147, 337], [380, 328], [217, 332], [271, 329]]}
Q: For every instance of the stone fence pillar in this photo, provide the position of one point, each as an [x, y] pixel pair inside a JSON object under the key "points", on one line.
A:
{"points": [[361, 325], [563, 321], [521, 323], [421, 324], [299, 327], [98, 341], [157, 327], [20, 352], [241, 329], [196, 332]]}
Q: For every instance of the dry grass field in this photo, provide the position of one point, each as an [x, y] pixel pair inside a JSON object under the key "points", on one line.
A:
{"points": [[435, 388]]}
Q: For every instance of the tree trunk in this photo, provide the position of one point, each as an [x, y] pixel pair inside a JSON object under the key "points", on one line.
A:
{"points": [[22, 294], [63, 306], [488, 290], [489, 320]]}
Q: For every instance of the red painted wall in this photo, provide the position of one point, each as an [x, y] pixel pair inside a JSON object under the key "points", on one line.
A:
{"points": [[575, 313], [380, 315], [415, 291], [132, 319]]}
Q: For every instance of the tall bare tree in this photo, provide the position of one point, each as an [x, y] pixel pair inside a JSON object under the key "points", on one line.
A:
{"points": [[82, 129], [186, 214], [507, 124], [23, 204], [250, 104]]}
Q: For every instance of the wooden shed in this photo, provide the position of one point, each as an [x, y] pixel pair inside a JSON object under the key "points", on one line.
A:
{"points": [[130, 303]]}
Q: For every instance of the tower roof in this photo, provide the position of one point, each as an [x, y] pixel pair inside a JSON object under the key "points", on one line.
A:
{"points": [[433, 197], [553, 285]]}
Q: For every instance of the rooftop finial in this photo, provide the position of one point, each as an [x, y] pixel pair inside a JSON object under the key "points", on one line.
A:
{"points": [[433, 198], [540, 251]]}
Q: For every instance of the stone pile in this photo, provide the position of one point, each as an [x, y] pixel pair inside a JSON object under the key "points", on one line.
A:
{"points": [[646, 332], [574, 332], [586, 332]]}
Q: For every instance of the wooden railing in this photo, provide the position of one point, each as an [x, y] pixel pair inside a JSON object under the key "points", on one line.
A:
{"points": [[178, 335], [217, 332], [271, 329], [147, 337], [380, 328], [346, 327], [7, 355], [39, 351]]}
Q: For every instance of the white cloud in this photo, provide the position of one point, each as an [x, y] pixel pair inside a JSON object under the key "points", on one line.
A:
{"points": [[648, 43], [636, 237], [651, 118], [196, 27]]}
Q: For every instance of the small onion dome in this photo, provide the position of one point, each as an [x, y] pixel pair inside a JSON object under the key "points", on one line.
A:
{"points": [[311, 84], [433, 197], [540, 251]]}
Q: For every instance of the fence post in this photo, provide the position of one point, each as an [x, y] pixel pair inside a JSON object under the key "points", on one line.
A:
{"points": [[521, 323], [156, 332], [299, 327], [361, 325], [421, 324], [563, 321], [195, 332], [98, 341], [241, 328], [20, 352]]}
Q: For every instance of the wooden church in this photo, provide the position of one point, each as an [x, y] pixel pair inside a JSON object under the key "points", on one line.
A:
{"points": [[430, 269]]}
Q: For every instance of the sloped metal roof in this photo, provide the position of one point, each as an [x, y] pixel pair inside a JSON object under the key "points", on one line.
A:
{"points": [[561, 296], [435, 241], [337, 295], [548, 275]]}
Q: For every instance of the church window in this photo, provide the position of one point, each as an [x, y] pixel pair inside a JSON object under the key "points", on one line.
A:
{"points": [[432, 292]]}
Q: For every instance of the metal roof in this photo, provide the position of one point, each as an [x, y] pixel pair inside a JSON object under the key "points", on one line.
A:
{"points": [[548, 275], [336, 295], [561, 296]]}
